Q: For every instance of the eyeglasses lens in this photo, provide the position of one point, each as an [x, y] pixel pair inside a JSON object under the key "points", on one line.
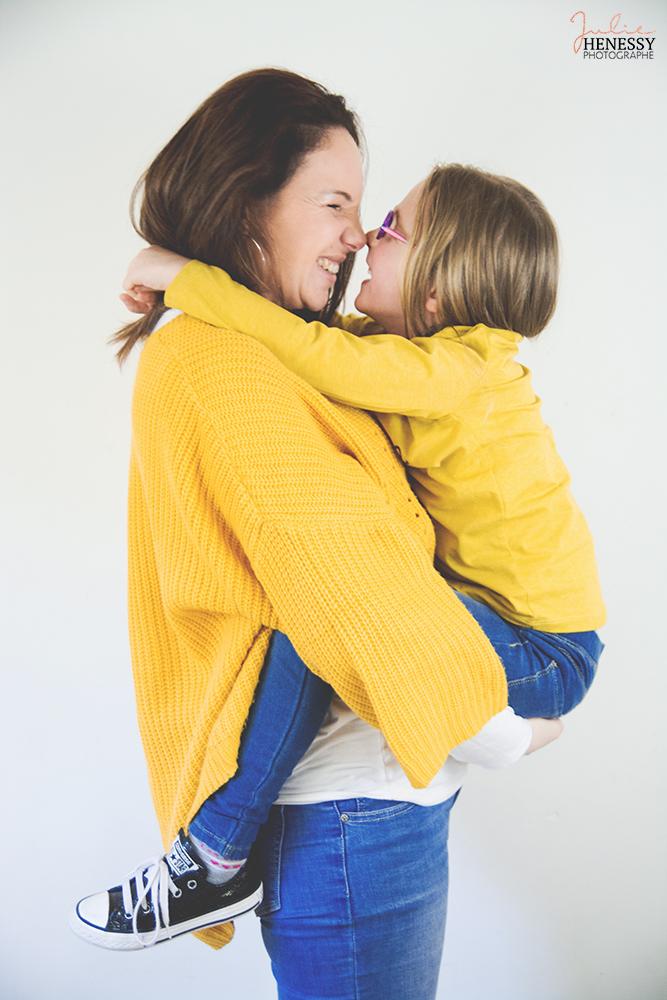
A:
{"points": [[385, 225]]}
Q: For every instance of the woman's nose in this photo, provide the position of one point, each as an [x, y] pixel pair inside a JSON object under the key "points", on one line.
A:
{"points": [[354, 236]]}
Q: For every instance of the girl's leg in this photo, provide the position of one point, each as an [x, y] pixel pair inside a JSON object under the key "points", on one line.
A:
{"points": [[164, 897], [289, 707], [355, 898], [547, 673]]}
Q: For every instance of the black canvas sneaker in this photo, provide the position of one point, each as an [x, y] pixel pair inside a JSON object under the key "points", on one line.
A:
{"points": [[162, 898]]}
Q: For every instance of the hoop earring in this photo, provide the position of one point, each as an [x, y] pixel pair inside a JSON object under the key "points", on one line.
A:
{"points": [[261, 252]]}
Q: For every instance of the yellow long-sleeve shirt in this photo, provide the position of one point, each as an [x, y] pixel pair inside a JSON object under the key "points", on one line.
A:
{"points": [[463, 414], [255, 503]]}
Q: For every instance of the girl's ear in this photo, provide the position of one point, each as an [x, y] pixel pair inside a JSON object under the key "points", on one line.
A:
{"points": [[431, 304]]}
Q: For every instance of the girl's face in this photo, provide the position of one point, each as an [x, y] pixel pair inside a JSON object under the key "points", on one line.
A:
{"points": [[313, 223], [380, 295]]}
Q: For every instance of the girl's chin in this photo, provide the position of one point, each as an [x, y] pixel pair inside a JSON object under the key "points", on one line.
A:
{"points": [[361, 300]]}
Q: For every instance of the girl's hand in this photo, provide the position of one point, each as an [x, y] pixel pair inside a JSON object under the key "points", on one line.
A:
{"points": [[151, 271], [544, 731]]}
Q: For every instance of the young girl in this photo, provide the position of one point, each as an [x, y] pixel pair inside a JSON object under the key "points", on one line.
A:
{"points": [[461, 271]]}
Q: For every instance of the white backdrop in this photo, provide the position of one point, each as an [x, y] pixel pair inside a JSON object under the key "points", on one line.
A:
{"points": [[557, 876]]}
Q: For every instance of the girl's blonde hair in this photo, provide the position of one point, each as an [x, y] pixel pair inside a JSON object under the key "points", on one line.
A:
{"points": [[487, 248]]}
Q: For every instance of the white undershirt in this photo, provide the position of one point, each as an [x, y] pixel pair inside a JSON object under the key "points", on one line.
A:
{"points": [[349, 758]]}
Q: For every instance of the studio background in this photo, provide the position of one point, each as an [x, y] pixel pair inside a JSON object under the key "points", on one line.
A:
{"points": [[557, 874]]}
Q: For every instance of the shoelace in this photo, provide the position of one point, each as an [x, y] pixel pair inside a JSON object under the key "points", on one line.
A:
{"points": [[154, 893]]}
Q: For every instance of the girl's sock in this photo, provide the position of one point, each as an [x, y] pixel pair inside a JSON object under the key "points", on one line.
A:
{"points": [[218, 869]]}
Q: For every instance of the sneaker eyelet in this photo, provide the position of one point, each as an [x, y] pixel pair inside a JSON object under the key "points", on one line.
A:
{"points": [[178, 893], [192, 884]]}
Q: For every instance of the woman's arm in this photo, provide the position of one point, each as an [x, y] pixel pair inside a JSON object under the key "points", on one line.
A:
{"points": [[505, 738], [332, 533]]}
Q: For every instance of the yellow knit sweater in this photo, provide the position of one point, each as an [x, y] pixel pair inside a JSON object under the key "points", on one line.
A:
{"points": [[464, 416], [255, 503]]}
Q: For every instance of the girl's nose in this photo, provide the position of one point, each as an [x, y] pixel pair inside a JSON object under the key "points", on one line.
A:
{"points": [[370, 236]]}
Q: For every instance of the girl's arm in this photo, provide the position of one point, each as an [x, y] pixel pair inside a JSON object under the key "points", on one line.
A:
{"points": [[359, 325], [425, 377]]}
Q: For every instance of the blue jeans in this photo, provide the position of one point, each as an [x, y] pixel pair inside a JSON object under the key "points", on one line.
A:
{"points": [[355, 898], [289, 707], [548, 675], [355, 890]]}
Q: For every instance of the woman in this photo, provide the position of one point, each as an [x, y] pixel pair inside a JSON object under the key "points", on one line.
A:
{"points": [[255, 505]]}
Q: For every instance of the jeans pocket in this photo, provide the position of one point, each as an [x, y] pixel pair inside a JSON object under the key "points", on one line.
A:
{"points": [[376, 810], [269, 847]]}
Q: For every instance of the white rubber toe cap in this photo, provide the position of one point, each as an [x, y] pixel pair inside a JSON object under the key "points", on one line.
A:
{"points": [[95, 909]]}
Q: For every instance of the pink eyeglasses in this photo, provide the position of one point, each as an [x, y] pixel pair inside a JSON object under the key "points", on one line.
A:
{"points": [[386, 230]]}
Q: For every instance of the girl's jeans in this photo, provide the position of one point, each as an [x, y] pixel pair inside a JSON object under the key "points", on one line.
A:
{"points": [[548, 674]]}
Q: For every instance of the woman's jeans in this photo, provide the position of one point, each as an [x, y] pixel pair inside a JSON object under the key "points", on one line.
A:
{"points": [[355, 890], [548, 674], [355, 898]]}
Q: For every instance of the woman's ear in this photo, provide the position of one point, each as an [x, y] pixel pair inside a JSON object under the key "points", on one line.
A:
{"points": [[431, 303]]}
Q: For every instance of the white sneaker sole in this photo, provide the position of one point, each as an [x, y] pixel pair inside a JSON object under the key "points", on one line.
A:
{"points": [[129, 942]]}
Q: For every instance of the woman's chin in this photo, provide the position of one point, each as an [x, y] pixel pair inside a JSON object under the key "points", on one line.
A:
{"points": [[315, 302]]}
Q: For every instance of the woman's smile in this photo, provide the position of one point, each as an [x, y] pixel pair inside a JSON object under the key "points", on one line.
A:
{"points": [[330, 264]]}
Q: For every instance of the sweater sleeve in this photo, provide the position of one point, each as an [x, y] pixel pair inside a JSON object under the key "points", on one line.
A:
{"points": [[425, 377], [502, 741], [350, 581]]}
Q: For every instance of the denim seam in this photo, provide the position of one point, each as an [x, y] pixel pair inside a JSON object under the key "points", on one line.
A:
{"points": [[573, 647], [279, 858], [378, 815], [570, 646], [533, 677], [349, 903], [574, 664], [272, 902], [573, 653]]}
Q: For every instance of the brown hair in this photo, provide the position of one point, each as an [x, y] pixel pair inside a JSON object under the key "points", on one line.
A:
{"points": [[487, 247], [204, 194]]}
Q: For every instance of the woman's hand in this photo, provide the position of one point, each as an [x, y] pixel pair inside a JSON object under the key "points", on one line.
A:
{"points": [[544, 731], [151, 271]]}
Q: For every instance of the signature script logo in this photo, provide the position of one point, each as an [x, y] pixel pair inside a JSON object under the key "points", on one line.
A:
{"points": [[612, 30]]}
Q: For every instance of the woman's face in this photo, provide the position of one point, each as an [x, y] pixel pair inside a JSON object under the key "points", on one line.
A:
{"points": [[313, 223], [380, 295]]}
